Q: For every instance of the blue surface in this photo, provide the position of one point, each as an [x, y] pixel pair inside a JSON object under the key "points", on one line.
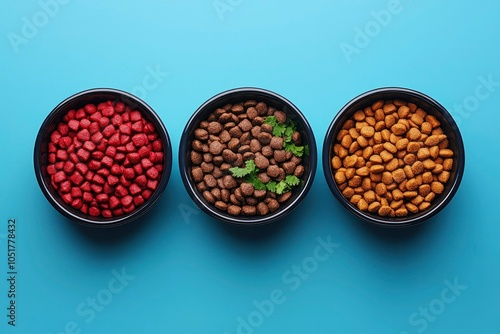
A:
{"points": [[180, 271]]}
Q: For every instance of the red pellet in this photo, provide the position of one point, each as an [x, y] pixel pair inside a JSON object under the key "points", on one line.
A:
{"points": [[105, 160]]}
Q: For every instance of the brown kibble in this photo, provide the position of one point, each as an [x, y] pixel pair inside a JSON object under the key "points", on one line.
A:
{"points": [[221, 205], [433, 121], [401, 212], [390, 147], [249, 210], [274, 171], [348, 192], [445, 153], [378, 105], [434, 152], [417, 167], [197, 174], [411, 207], [389, 108], [385, 211], [387, 178], [412, 184], [413, 147], [426, 128], [417, 119], [262, 209], [264, 138], [398, 129], [374, 207], [423, 153], [355, 181], [430, 197], [229, 156], [448, 164], [336, 162], [289, 167], [397, 194], [386, 156], [350, 161], [261, 162], [247, 189], [208, 196], [196, 158], [398, 175], [280, 117], [273, 205], [234, 210], [410, 194], [299, 171], [367, 131], [363, 171], [369, 196], [355, 199], [201, 134], [380, 189], [437, 187], [280, 155], [408, 171], [229, 182], [432, 140], [284, 197], [362, 205], [424, 190], [413, 134], [410, 159], [392, 165], [359, 115], [417, 200], [429, 164], [214, 128], [376, 169], [424, 206], [216, 147], [276, 143]]}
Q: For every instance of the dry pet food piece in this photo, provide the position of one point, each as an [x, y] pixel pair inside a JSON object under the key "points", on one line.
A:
{"points": [[246, 158], [392, 159]]}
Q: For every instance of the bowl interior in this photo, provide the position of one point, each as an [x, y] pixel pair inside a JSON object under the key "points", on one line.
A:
{"points": [[237, 96], [431, 107], [79, 100]]}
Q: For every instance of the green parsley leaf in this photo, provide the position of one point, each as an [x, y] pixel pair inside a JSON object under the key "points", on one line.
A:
{"points": [[282, 187], [271, 186], [292, 180], [239, 172]]}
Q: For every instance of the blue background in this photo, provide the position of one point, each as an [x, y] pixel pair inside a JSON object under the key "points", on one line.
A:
{"points": [[188, 273]]}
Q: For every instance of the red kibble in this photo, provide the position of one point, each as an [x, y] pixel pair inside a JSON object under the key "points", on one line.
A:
{"points": [[140, 139], [129, 209], [107, 161], [125, 129], [144, 152], [93, 128], [114, 202], [95, 117], [102, 198], [146, 193], [81, 167], [104, 160], [93, 211], [98, 179], [103, 121], [124, 181], [152, 173], [65, 186], [85, 186], [130, 147], [157, 145], [74, 125], [120, 107], [141, 180], [84, 209], [94, 165], [51, 169], [129, 173], [137, 126], [67, 198], [83, 135], [102, 146], [124, 139], [63, 129], [146, 163], [138, 200], [121, 191], [97, 137], [134, 189], [55, 136], [116, 120], [77, 203], [69, 167], [80, 113], [119, 156], [89, 175], [108, 131], [88, 145], [90, 109], [96, 189], [76, 192], [114, 140], [126, 200], [134, 157], [62, 155], [138, 169], [135, 116], [65, 142], [106, 213], [85, 123], [108, 111], [83, 154], [59, 177], [152, 184], [103, 171], [108, 189]]}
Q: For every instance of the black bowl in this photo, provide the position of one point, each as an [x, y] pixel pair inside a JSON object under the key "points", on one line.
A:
{"points": [[432, 107], [79, 100], [236, 96]]}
